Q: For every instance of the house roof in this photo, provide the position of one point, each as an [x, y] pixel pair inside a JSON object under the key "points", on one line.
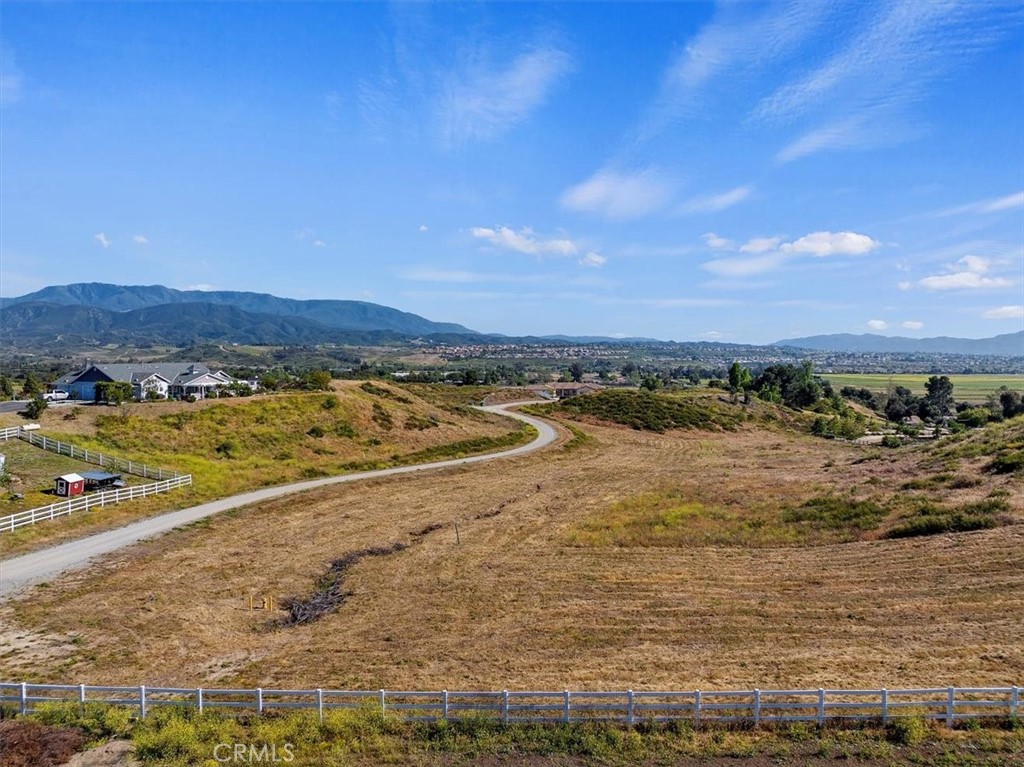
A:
{"points": [[171, 372], [71, 478]]}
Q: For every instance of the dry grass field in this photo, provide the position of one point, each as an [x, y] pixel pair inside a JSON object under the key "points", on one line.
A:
{"points": [[527, 600], [234, 445]]}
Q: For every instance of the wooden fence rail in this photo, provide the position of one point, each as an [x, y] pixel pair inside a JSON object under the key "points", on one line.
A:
{"points": [[629, 707]]}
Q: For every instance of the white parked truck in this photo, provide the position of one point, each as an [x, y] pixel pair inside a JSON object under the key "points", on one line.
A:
{"points": [[56, 395]]}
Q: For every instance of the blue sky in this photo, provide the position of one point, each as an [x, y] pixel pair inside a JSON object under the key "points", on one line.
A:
{"points": [[734, 171]]}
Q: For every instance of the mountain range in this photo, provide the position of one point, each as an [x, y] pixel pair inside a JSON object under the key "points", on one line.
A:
{"points": [[89, 313], [1006, 345]]}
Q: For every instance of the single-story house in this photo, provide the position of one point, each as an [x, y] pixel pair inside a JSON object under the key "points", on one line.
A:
{"points": [[567, 390], [163, 379]]}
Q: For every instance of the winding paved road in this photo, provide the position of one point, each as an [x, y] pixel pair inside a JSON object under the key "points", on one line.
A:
{"points": [[19, 572]]}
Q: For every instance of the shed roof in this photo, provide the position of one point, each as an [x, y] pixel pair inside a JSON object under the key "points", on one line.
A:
{"points": [[71, 478]]}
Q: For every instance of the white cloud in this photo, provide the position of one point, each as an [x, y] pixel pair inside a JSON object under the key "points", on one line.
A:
{"points": [[904, 285], [912, 324], [832, 243], [424, 228], [769, 253], [969, 273], [1015, 312], [480, 102], [714, 241], [760, 244], [996, 205], [877, 324], [140, 239], [101, 238], [745, 267], [593, 259], [525, 241], [618, 195], [717, 202], [319, 244], [201, 286]]}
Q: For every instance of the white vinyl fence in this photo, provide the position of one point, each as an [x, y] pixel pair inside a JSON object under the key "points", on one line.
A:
{"points": [[92, 456], [169, 480], [754, 707], [86, 502]]}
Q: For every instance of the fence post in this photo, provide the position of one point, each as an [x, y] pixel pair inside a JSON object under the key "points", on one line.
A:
{"points": [[757, 707], [381, 704], [885, 705], [259, 700], [199, 699], [565, 706], [142, 701], [444, 705], [696, 708], [24, 699], [320, 704], [821, 707], [81, 700], [629, 708], [1014, 698], [504, 706], [950, 706]]}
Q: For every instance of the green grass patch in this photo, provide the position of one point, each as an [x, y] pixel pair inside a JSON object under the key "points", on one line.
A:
{"points": [[652, 411], [833, 512], [182, 737], [966, 388]]}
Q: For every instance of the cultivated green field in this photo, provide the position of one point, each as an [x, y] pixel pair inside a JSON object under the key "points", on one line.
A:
{"points": [[967, 388]]}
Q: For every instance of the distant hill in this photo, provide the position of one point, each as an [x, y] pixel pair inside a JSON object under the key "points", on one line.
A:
{"points": [[41, 324], [347, 315], [1007, 345]]}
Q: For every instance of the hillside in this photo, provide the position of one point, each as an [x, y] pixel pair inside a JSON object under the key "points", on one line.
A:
{"points": [[347, 315], [1008, 344], [41, 324]]}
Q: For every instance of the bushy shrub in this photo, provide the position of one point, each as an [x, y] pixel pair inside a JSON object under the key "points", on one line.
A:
{"points": [[906, 730], [891, 440]]}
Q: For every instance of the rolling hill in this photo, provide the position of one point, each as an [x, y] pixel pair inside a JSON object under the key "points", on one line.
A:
{"points": [[345, 315], [1008, 344]]}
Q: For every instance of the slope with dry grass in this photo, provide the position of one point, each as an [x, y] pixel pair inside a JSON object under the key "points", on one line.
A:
{"points": [[515, 601], [233, 445]]}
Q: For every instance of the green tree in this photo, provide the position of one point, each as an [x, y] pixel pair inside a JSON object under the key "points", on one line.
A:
{"points": [[938, 402], [470, 377], [31, 387], [6, 387], [651, 383], [576, 371], [112, 392], [739, 377], [35, 407], [317, 380]]}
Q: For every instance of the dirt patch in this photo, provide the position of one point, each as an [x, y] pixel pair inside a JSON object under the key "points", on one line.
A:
{"points": [[116, 753], [24, 743]]}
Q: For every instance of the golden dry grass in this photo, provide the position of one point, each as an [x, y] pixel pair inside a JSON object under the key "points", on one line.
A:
{"points": [[517, 605]]}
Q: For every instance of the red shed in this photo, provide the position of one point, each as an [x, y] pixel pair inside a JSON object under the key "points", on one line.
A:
{"points": [[70, 484]]}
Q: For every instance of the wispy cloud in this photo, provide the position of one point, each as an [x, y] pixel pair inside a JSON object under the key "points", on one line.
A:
{"points": [[745, 267], [716, 202], [1014, 312], [140, 239], [466, 277], [525, 241], [424, 228], [101, 238], [712, 240], [593, 259], [996, 205], [760, 244], [969, 273], [480, 101], [11, 78], [877, 324], [619, 195], [912, 324], [203, 286], [860, 95]]}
